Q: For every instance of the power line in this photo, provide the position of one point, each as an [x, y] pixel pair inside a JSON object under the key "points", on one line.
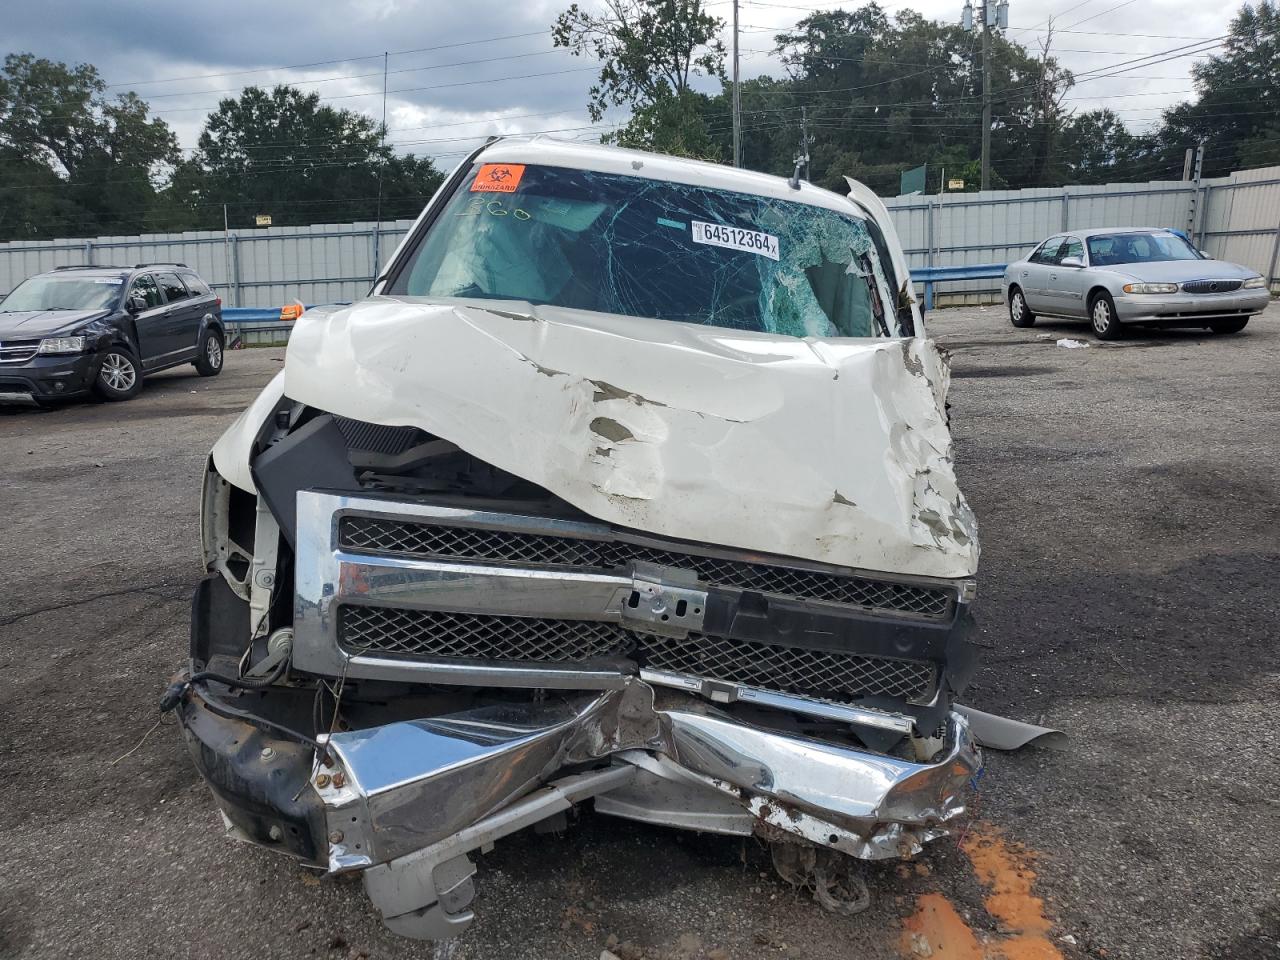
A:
{"points": [[321, 63], [363, 76]]}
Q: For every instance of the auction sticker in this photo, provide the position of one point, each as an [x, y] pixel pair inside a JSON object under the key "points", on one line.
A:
{"points": [[735, 238], [498, 178]]}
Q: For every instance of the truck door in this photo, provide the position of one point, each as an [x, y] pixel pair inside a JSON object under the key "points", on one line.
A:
{"points": [[149, 317], [182, 319]]}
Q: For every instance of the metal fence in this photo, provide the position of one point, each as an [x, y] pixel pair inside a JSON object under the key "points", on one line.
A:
{"points": [[1232, 218], [323, 263]]}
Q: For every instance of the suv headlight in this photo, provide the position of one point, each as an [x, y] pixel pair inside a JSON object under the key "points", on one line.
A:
{"points": [[62, 345], [1150, 288], [1254, 283]]}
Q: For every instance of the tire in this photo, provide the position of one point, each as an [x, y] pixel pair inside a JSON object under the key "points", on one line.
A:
{"points": [[1233, 325], [1020, 314], [1102, 317], [119, 376], [210, 354]]}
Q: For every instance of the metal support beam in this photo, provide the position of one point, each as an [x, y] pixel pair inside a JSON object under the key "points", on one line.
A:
{"points": [[1275, 259], [235, 269]]}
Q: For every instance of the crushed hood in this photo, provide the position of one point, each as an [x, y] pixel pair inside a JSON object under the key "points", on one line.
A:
{"points": [[831, 450]]}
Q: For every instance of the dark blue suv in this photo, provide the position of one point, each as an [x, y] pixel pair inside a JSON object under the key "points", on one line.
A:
{"points": [[77, 330]]}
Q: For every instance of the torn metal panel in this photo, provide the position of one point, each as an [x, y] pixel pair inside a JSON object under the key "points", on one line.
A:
{"points": [[1003, 733], [832, 450]]}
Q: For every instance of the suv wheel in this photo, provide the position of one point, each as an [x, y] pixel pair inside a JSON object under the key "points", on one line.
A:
{"points": [[1102, 317], [120, 376], [1020, 314], [1233, 325], [208, 362]]}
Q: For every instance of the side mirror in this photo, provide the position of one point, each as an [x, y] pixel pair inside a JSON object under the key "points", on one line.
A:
{"points": [[1204, 255], [1071, 262], [136, 303]]}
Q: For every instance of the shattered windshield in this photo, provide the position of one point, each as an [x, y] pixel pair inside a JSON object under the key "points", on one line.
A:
{"points": [[63, 293], [650, 248]]}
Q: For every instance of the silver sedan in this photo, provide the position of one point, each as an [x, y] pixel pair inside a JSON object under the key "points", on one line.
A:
{"points": [[1132, 275]]}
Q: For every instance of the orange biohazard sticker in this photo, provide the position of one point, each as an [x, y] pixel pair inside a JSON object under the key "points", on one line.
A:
{"points": [[498, 178]]}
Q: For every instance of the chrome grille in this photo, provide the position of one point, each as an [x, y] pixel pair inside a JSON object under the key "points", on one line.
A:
{"points": [[393, 631], [824, 674], [1211, 286], [376, 535], [18, 351]]}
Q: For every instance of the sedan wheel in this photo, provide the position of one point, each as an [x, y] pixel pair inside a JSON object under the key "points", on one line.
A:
{"points": [[1102, 316], [1020, 314]]}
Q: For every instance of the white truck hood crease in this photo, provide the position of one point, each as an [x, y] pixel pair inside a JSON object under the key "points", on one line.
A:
{"points": [[829, 450]]}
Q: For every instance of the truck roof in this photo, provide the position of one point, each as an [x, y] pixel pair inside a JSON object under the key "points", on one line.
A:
{"points": [[548, 151]]}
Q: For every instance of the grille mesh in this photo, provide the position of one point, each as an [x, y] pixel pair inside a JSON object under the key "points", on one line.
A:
{"points": [[827, 675], [812, 673], [433, 633], [469, 543], [1211, 286]]}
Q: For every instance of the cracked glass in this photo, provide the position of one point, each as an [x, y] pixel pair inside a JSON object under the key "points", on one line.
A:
{"points": [[650, 248]]}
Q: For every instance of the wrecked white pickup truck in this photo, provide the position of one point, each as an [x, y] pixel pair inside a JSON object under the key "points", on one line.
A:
{"points": [[629, 482]]}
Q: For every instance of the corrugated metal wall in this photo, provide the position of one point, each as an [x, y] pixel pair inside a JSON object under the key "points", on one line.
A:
{"points": [[1233, 218], [249, 268]]}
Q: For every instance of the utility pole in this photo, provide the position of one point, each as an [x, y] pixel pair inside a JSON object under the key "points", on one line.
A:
{"points": [[377, 228], [985, 183], [991, 15], [802, 157], [737, 95], [804, 139]]}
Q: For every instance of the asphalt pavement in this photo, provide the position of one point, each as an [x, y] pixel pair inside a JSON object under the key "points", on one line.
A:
{"points": [[1130, 519]]}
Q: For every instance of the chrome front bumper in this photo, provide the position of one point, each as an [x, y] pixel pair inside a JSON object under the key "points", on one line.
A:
{"points": [[406, 802], [1190, 307]]}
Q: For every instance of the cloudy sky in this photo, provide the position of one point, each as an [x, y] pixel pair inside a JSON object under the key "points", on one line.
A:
{"points": [[461, 71]]}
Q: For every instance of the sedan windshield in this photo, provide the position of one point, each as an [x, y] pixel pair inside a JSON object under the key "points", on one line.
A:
{"points": [[649, 248], [1111, 248], [63, 293]]}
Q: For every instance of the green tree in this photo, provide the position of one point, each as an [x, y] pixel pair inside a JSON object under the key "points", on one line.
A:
{"points": [[1238, 106], [72, 160], [285, 154], [649, 51], [1098, 148], [879, 94]]}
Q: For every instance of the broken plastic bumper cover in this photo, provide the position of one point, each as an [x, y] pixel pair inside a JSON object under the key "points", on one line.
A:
{"points": [[407, 801]]}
